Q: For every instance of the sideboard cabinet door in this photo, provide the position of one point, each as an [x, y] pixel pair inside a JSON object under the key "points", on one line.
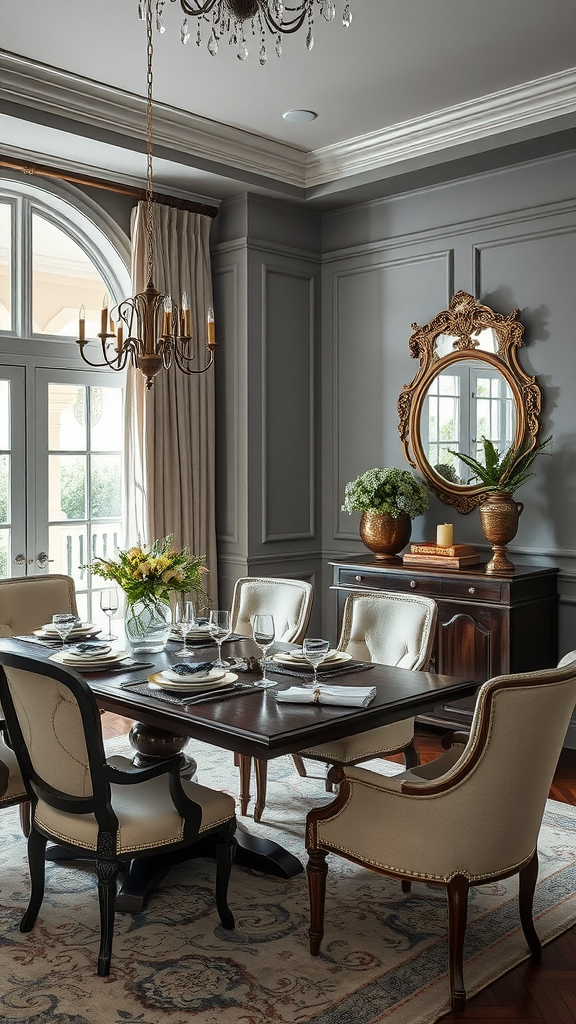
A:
{"points": [[487, 625]]}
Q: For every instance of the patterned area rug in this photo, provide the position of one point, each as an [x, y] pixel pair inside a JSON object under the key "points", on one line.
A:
{"points": [[384, 954]]}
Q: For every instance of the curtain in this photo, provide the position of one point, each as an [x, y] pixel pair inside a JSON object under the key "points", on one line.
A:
{"points": [[169, 430]]}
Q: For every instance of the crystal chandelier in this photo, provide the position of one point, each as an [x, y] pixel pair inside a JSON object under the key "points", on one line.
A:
{"points": [[231, 18], [158, 330]]}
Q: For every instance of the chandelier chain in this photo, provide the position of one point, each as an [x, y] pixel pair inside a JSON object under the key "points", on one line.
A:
{"points": [[149, 144]]}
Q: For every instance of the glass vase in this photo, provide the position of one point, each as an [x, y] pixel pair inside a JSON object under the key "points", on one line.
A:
{"points": [[147, 625]]}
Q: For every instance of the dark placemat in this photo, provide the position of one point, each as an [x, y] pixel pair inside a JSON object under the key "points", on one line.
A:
{"points": [[326, 673], [239, 690]]}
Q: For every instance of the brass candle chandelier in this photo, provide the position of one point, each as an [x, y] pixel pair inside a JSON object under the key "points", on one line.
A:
{"points": [[232, 18], [158, 330]]}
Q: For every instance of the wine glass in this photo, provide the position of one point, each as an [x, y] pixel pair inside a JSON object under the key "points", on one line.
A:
{"points": [[185, 620], [64, 623], [263, 632], [315, 651], [219, 626], [109, 605]]}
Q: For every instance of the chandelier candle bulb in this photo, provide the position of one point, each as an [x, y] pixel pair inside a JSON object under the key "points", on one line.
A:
{"points": [[104, 317], [210, 333], [119, 338], [445, 535]]}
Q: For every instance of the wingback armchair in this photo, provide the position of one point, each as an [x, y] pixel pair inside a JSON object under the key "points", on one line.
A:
{"points": [[463, 820], [103, 806]]}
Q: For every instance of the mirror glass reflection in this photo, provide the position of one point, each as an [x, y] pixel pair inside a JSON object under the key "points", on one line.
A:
{"points": [[486, 341], [466, 402]]}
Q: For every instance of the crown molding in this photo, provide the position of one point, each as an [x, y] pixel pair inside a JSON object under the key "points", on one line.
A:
{"points": [[214, 146], [531, 103], [222, 149]]}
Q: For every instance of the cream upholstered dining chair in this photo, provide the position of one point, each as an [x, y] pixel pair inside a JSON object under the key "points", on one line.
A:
{"points": [[459, 821], [12, 788], [290, 603], [91, 803], [390, 629], [27, 602]]}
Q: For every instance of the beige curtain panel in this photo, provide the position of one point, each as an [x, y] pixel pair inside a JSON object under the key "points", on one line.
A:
{"points": [[169, 442]]}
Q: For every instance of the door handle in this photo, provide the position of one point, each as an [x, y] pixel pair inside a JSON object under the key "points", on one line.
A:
{"points": [[21, 560], [42, 560]]}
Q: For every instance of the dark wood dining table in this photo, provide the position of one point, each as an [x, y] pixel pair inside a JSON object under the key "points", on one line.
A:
{"points": [[259, 726]]}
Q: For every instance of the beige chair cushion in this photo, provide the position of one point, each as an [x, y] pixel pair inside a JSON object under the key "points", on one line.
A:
{"points": [[15, 790], [145, 812], [28, 602], [289, 601]]}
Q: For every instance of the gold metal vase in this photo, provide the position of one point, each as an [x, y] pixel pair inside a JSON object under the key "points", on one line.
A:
{"points": [[385, 535], [499, 515]]}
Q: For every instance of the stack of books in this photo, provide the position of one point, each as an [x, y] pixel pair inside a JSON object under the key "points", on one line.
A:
{"points": [[432, 555]]}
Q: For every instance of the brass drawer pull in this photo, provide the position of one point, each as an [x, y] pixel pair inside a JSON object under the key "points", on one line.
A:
{"points": [[359, 578], [412, 584], [471, 590]]}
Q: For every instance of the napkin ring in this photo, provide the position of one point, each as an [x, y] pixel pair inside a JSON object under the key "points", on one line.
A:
{"points": [[316, 694]]}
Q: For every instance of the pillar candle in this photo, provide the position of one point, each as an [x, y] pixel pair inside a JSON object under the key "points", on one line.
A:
{"points": [[445, 535]]}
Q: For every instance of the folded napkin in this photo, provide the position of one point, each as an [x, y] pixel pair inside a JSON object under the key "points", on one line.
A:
{"points": [[190, 668], [345, 696], [187, 671], [91, 649]]}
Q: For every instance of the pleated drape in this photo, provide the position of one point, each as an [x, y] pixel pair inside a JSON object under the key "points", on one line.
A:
{"points": [[169, 430]]}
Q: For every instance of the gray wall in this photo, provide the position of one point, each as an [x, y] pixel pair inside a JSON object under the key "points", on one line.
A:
{"points": [[508, 237], [268, 392]]}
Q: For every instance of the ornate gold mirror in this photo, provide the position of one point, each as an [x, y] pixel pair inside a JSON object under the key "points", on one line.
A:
{"points": [[469, 385]]}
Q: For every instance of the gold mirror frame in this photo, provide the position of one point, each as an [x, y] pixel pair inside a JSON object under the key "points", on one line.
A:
{"points": [[463, 320]]}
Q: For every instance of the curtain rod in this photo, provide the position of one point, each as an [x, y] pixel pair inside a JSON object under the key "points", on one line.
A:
{"points": [[110, 186]]}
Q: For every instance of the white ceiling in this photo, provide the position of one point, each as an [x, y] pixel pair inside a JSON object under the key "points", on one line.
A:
{"points": [[410, 93]]}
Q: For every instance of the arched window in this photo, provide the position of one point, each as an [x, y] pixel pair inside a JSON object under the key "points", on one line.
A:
{"points": [[60, 422]]}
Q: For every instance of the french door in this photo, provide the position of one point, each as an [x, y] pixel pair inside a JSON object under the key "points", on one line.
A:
{"points": [[60, 473]]}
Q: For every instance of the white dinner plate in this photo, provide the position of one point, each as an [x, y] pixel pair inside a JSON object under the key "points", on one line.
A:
{"points": [[207, 685], [64, 658], [212, 675], [333, 657], [49, 631]]}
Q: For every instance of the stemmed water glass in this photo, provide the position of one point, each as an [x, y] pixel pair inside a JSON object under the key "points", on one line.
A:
{"points": [[315, 651], [263, 632], [185, 620], [64, 623], [109, 605], [219, 626]]}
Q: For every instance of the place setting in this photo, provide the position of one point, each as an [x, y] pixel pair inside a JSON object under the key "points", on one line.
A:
{"points": [[316, 655], [189, 682], [64, 626]]}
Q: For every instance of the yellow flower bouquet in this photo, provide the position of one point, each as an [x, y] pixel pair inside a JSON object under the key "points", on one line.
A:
{"points": [[148, 576]]}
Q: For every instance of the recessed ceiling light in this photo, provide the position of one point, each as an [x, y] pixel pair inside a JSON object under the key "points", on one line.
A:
{"points": [[299, 116]]}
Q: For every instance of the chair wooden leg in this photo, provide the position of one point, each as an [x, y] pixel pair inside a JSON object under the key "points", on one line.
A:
{"points": [[527, 884], [245, 766], [410, 755], [107, 871], [316, 869], [261, 771], [26, 817], [36, 866], [299, 765], [225, 849], [457, 913]]}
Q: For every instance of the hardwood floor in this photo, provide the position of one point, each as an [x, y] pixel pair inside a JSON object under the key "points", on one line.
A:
{"points": [[536, 992]]}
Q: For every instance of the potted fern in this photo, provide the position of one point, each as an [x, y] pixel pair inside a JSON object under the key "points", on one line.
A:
{"points": [[500, 476]]}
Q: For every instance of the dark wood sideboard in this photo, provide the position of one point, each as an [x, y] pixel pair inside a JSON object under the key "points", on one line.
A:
{"points": [[487, 625]]}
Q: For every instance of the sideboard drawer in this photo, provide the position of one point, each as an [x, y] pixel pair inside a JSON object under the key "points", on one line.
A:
{"points": [[472, 589], [405, 584]]}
